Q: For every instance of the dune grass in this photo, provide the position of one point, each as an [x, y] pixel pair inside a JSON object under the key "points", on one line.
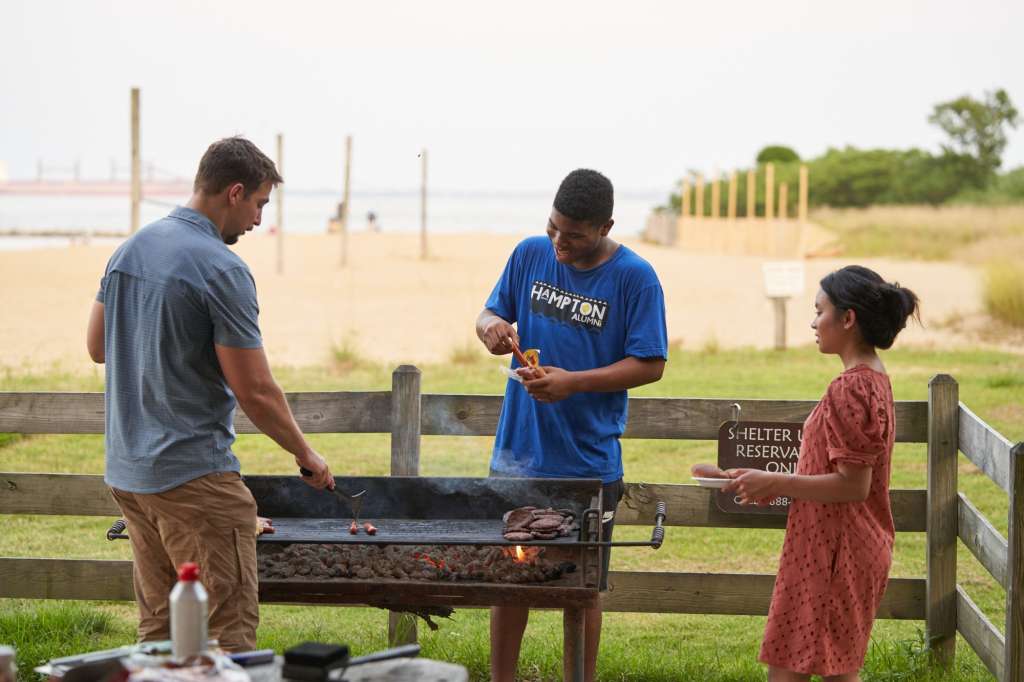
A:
{"points": [[1004, 292], [973, 234], [634, 646]]}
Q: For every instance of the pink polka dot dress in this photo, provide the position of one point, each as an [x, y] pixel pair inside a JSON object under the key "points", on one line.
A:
{"points": [[836, 556]]}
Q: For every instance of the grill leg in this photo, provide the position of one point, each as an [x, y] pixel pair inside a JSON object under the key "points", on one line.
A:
{"points": [[572, 644]]}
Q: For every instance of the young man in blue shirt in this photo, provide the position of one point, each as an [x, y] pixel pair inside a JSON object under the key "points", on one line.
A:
{"points": [[596, 312]]}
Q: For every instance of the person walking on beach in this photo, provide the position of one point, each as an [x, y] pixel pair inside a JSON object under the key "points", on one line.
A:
{"points": [[839, 535], [175, 321], [596, 312]]}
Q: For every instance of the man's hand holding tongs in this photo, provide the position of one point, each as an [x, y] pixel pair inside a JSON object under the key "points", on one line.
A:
{"points": [[314, 470]]}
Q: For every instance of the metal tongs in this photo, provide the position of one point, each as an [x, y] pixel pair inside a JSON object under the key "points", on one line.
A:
{"points": [[355, 502]]}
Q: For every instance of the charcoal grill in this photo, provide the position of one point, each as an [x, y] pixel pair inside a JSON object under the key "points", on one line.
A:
{"points": [[443, 512]]}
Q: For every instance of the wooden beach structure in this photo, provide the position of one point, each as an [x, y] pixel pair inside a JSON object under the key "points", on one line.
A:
{"points": [[940, 511], [718, 228]]}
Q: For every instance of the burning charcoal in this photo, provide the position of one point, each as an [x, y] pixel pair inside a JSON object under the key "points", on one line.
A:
{"points": [[288, 571], [364, 573]]}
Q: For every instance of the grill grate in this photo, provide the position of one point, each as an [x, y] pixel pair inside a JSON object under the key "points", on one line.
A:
{"points": [[399, 532]]}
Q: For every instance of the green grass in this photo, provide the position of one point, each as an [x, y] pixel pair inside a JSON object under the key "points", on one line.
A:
{"points": [[634, 646]]}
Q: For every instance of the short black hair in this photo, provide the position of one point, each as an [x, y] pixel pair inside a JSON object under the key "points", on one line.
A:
{"points": [[231, 160], [882, 308], [587, 196]]}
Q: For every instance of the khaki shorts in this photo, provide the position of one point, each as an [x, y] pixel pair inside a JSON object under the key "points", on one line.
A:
{"points": [[212, 521]]}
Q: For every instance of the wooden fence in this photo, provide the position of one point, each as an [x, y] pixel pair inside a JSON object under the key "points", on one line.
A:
{"points": [[719, 228], [407, 414]]}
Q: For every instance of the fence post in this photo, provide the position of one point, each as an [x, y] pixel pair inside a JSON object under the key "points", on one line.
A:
{"points": [[423, 206], [1014, 633], [345, 198], [405, 461], [730, 211], [751, 194], [943, 439], [801, 211], [716, 196], [698, 198], [684, 199], [136, 163], [279, 200]]}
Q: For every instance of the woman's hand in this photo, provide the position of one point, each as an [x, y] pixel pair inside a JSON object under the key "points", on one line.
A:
{"points": [[753, 486]]}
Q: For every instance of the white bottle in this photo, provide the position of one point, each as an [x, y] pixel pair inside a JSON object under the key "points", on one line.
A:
{"points": [[7, 667], [188, 614]]}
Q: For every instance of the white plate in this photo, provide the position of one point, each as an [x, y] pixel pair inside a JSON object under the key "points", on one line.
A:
{"points": [[712, 482], [510, 373]]}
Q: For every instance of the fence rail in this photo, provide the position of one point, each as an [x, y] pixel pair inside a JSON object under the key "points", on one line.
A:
{"points": [[444, 414], [940, 511]]}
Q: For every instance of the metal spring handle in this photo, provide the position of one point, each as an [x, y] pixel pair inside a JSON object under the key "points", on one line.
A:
{"points": [[658, 534], [116, 531]]}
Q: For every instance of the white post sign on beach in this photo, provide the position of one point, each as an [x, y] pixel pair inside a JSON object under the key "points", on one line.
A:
{"points": [[782, 279]]}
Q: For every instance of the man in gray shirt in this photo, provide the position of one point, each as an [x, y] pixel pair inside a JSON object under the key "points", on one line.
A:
{"points": [[175, 320]]}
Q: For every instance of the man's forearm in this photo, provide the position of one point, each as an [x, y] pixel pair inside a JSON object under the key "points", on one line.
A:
{"points": [[268, 410], [620, 376]]}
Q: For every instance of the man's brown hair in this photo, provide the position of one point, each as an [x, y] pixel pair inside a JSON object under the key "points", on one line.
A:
{"points": [[231, 160]]}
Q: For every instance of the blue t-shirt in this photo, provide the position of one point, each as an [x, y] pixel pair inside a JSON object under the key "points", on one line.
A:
{"points": [[169, 294], [578, 319]]}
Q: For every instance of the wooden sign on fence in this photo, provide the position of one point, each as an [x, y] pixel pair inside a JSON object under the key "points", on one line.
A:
{"points": [[769, 446]]}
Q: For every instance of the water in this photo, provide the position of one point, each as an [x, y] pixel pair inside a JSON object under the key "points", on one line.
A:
{"points": [[308, 213]]}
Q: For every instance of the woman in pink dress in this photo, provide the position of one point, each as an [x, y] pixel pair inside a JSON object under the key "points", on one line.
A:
{"points": [[839, 536]]}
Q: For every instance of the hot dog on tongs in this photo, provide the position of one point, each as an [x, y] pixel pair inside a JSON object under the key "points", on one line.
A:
{"points": [[531, 360]]}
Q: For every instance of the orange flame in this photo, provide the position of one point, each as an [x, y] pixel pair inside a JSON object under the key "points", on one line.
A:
{"points": [[424, 557], [523, 555]]}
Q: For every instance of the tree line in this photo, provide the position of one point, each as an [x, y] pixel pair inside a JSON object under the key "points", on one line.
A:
{"points": [[966, 169]]}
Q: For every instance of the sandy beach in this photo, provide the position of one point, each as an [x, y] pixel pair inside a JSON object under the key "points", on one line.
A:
{"points": [[392, 307]]}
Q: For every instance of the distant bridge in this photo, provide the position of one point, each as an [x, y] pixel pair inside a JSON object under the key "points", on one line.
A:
{"points": [[178, 188]]}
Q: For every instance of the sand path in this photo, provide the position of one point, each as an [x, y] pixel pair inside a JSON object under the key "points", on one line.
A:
{"points": [[389, 305]]}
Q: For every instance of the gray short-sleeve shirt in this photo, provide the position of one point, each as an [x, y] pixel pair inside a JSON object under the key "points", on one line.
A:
{"points": [[170, 293]]}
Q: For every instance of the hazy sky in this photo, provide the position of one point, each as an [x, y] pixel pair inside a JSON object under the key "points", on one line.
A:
{"points": [[506, 96]]}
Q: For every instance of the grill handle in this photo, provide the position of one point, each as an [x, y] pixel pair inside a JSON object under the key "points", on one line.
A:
{"points": [[658, 534], [116, 531]]}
